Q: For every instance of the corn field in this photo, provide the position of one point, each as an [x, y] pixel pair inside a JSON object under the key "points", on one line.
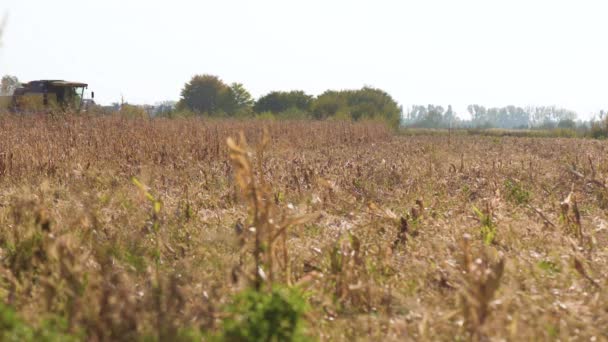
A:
{"points": [[132, 229]]}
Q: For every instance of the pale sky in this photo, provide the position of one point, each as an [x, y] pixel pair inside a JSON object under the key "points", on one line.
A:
{"points": [[494, 53]]}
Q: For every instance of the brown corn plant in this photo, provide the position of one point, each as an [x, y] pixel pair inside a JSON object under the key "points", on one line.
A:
{"points": [[481, 279], [349, 273], [571, 216], [265, 220]]}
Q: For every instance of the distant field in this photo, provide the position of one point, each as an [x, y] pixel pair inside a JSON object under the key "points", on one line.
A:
{"points": [[498, 132], [115, 229]]}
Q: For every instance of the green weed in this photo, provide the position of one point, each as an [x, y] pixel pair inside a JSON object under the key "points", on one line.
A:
{"points": [[516, 192], [488, 228], [258, 316], [548, 266]]}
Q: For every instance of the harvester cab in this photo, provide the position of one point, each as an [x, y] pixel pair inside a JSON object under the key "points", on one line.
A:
{"points": [[50, 95]]}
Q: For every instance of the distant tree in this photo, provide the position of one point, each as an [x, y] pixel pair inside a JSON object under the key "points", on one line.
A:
{"points": [[365, 103], [479, 115], [8, 85], [431, 116], [416, 114], [330, 103], [510, 117], [567, 123], [373, 103], [599, 128], [503, 117], [281, 101], [449, 117], [242, 98], [435, 116], [550, 116], [164, 108], [207, 94]]}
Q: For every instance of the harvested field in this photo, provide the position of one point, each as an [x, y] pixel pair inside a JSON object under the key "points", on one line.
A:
{"points": [[128, 229]]}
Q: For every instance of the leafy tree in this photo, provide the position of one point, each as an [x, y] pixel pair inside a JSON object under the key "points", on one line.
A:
{"points": [[9, 84], [509, 117], [435, 115], [281, 101], [449, 117], [416, 114], [547, 116], [330, 103], [432, 116], [599, 128], [207, 94], [365, 103], [373, 103], [503, 117], [479, 115], [242, 98]]}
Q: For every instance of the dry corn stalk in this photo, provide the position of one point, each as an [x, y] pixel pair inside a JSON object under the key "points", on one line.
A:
{"points": [[348, 270], [265, 220], [481, 279], [572, 216]]}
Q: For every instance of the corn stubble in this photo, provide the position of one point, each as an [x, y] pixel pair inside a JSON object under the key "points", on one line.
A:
{"points": [[132, 229]]}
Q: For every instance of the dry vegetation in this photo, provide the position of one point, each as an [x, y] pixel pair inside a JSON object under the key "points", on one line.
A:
{"points": [[121, 229]]}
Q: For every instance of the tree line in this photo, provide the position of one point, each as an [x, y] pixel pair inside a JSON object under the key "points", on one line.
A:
{"points": [[208, 95], [508, 117]]}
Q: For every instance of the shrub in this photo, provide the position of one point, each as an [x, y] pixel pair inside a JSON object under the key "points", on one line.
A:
{"points": [[273, 316]]}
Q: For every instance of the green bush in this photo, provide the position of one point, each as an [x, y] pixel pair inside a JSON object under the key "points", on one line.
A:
{"points": [[260, 316]]}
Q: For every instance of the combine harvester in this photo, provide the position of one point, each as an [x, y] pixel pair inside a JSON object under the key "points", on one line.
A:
{"points": [[47, 96]]}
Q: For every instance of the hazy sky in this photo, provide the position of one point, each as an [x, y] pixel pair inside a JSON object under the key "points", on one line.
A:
{"points": [[494, 53]]}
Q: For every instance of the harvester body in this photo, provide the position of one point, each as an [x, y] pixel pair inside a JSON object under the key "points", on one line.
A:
{"points": [[45, 96]]}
